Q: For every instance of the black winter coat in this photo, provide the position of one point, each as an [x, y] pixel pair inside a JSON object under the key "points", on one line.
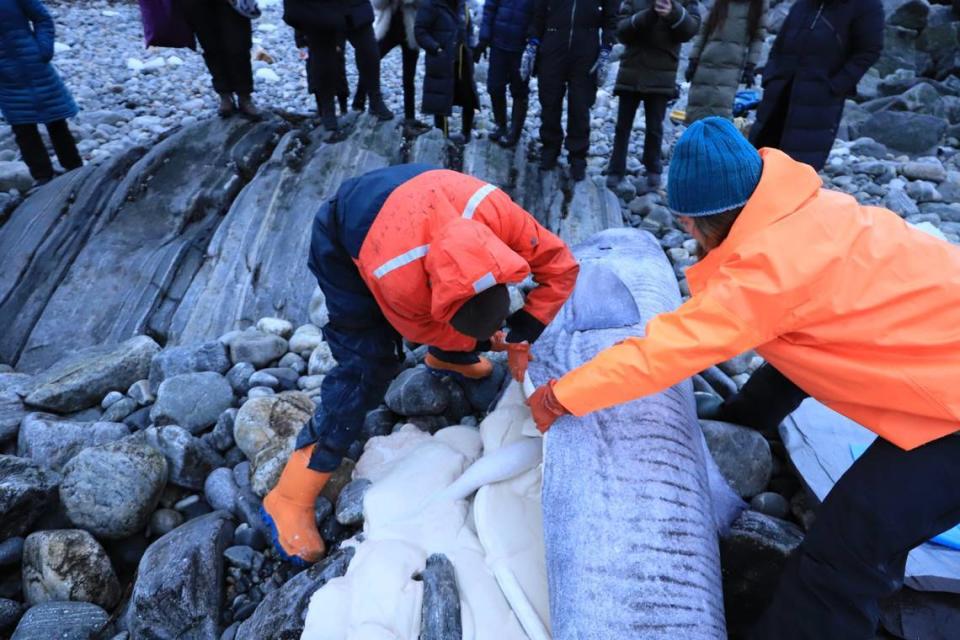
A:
{"points": [[822, 51], [327, 15], [572, 18], [506, 23], [443, 32], [649, 62]]}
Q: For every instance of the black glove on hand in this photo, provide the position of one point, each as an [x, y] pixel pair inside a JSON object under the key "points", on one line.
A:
{"points": [[691, 69], [523, 327], [749, 76], [479, 51]]}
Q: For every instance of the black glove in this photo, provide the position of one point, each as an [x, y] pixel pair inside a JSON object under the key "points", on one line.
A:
{"points": [[523, 327], [691, 69], [749, 76], [479, 51]]}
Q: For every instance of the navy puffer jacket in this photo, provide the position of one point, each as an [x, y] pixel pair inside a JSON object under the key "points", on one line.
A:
{"points": [[505, 23], [31, 92]]}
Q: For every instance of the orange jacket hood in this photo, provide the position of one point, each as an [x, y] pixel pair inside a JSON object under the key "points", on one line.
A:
{"points": [[855, 306]]}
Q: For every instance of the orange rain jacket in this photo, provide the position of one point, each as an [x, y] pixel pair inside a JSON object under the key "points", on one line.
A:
{"points": [[442, 237], [852, 304]]}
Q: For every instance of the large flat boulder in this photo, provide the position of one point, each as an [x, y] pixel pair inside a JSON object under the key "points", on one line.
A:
{"points": [[82, 380]]}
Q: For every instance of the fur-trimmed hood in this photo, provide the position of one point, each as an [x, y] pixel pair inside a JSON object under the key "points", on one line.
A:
{"points": [[384, 13]]}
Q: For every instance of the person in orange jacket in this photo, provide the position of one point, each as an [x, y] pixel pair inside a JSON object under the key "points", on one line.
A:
{"points": [[420, 253], [847, 303]]}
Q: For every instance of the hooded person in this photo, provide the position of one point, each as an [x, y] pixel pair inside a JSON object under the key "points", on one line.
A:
{"points": [[414, 252], [848, 304]]}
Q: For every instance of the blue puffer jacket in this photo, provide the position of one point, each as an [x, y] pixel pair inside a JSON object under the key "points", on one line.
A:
{"points": [[505, 23], [31, 92]]}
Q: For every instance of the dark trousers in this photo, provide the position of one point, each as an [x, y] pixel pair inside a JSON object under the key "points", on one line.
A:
{"points": [[323, 49], [226, 38], [854, 555], [654, 111], [503, 71], [565, 72], [314, 78], [34, 152], [771, 133], [396, 37]]}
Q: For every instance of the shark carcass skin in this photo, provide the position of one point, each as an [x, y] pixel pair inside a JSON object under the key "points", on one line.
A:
{"points": [[630, 528]]}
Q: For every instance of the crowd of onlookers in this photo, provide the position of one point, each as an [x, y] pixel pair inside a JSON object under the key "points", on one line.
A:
{"points": [[822, 50]]}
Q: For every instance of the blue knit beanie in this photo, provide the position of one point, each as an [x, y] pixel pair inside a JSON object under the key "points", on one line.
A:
{"points": [[713, 169]]}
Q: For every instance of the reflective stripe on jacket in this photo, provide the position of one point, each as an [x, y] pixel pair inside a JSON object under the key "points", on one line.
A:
{"points": [[855, 306], [442, 237]]}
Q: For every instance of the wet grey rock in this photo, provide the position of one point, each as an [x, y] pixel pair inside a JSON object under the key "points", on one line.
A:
{"points": [[737, 365], [248, 509], [930, 169], [909, 14], [293, 361], [459, 406], [905, 132], [14, 175], [179, 584], [262, 379], [899, 202], [239, 377], [350, 502], [139, 419], [427, 424], [221, 438], [282, 612], [441, 601], [378, 422], [110, 399], [242, 557], [323, 509], [111, 490], [51, 441], [247, 536], [719, 381], [266, 430], [868, 147], [260, 392], [12, 412], [321, 360], [417, 392], [189, 459], [306, 338], [241, 474], [771, 504], [141, 393], [922, 191], [259, 349], [285, 377], [120, 410], [753, 555], [27, 490], [193, 401], [175, 361], [220, 490], [80, 381], [61, 620], [742, 454], [11, 552], [163, 521], [10, 612], [68, 565]]}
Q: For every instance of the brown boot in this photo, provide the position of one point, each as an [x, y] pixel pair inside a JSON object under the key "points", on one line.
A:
{"points": [[476, 371], [247, 109], [289, 510]]}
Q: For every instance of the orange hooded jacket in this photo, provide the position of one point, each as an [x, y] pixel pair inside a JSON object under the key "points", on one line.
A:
{"points": [[852, 304], [442, 237]]}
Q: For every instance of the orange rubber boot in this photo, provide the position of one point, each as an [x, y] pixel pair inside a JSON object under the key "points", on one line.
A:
{"points": [[475, 371], [289, 510]]}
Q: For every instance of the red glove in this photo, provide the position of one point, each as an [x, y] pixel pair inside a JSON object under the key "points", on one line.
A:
{"points": [[518, 354], [545, 407]]}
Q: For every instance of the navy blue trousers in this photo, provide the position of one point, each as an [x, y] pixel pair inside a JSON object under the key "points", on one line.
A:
{"points": [[855, 554]]}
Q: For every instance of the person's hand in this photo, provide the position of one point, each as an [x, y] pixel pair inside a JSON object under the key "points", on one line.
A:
{"points": [[545, 407], [749, 76], [528, 59], [691, 69], [518, 354], [601, 68], [663, 7], [479, 51]]}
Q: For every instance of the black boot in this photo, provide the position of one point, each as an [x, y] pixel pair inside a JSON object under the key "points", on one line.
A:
{"points": [[359, 101], [517, 118], [578, 169], [499, 104], [247, 109], [328, 113], [342, 99], [379, 108], [227, 107], [467, 130]]}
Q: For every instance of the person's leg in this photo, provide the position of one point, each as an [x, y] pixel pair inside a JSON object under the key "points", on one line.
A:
{"points": [[323, 52], [343, 87], [764, 401], [552, 88], [33, 150], [854, 555], [466, 129], [655, 110], [628, 102], [203, 17], [497, 74], [440, 122], [410, 57], [520, 92], [236, 34], [64, 145], [368, 67], [582, 94]]}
